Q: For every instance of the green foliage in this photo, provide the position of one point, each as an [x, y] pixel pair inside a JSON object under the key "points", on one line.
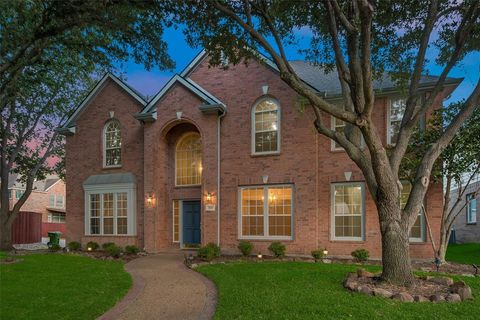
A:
{"points": [[74, 246], [107, 245], [317, 254], [91, 287], [245, 248], [55, 247], [113, 251], [277, 249], [94, 245], [132, 249], [209, 252], [360, 255]]}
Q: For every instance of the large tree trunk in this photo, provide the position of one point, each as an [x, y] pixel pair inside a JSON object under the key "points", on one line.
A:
{"points": [[442, 246], [397, 268], [5, 232]]}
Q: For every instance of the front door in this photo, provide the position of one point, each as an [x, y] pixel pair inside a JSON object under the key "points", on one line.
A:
{"points": [[191, 222]]}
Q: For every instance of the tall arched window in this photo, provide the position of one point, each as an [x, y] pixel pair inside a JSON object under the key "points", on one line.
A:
{"points": [[266, 127], [112, 144], [188, 160]]}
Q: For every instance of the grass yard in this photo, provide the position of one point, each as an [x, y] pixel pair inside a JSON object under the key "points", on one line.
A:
{"points": [[57, 286], [467, 253], [299, 290]]}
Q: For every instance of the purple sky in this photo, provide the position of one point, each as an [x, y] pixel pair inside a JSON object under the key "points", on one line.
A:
{"points": [[150, 82]]}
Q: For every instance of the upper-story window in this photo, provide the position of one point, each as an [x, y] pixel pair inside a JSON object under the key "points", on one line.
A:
{"points": [[471, 208], [188, 160], [56, 201], [417, 232], [395, 116], [266, 127], [112, 144]]}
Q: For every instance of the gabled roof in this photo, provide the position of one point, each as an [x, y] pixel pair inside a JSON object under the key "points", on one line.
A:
{"points": [[208, 99], [68, 127]]}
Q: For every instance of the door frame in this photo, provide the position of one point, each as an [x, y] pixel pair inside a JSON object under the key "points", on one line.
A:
{"points": [[180, 220]]}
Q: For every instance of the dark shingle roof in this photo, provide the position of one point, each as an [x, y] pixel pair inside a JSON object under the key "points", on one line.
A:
{"points": [[328, 83]]}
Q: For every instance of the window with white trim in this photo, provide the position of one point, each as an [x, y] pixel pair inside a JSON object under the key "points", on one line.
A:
{"points": [[471, 208], [395, 116], [266, 127], [110, 211], [56, 201], [112, 144], [417, 232], [348, 211], [56, 217], [266, 212], [176, 220], [188, 160]]}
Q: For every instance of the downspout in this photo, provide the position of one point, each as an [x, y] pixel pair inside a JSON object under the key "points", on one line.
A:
{"points": [[219, 121]]}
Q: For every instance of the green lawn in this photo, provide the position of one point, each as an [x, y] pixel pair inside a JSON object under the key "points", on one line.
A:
{"points": [[57, 286], [300, 290], [467, 253]]}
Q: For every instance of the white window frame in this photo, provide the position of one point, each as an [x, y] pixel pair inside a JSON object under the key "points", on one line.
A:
{"points": [[469, 208], [183, 136], [104, 144], [266, 236], [332, 211], [279, 127], [128, 188], [50, 217]]}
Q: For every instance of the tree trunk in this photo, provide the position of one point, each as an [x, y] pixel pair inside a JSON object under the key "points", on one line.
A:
{"points": [[442, 246], [5, 233], [396, 263]]}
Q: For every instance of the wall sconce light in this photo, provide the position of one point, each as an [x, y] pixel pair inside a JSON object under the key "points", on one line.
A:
{"points": [[150, 199], [179, 115], [265, 179], [209, 197]]}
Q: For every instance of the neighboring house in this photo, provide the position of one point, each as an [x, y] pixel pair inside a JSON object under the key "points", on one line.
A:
{"points": [[467, 223], [226, 155], [47, 198]]}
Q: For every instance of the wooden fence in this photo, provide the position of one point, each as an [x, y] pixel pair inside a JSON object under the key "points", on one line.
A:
{"points": [[27, 228]]}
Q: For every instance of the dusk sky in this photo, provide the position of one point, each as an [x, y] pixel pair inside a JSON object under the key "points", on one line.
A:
{"points": [[150, 82]]}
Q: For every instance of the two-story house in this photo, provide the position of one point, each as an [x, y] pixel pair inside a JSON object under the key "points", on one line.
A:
{"points": [[224, 155]]}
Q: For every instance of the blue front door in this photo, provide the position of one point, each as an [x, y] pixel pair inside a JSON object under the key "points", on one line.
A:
{"points": [[191, 222]]}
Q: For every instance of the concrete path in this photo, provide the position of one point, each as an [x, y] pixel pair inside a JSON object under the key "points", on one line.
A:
{"points": [[163, 288]]}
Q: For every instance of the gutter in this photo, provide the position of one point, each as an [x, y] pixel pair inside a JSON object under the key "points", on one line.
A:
{"points": [[219, 122]]}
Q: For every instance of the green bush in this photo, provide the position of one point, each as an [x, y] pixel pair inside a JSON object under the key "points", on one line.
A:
{"points": [[54, 247], [245, 247], [113, 251], [93, 245], [131, 249], [107, 244], [209, 252], [74, 246], [360, 255], [317, 254], [277, 249]]}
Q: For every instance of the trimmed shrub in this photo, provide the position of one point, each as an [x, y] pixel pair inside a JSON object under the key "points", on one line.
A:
{"points": [[245, 247], [107, 244], [113, 251], [74, 246], [277, 249], [317, 254], [209, 252], [360, 255], [131, 249], [93, 245]]}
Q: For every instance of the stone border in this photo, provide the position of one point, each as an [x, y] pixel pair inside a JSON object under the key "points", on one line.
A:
{"points": [[131, 296]]}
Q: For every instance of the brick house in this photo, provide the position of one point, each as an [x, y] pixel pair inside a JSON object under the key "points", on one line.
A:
{"points": [[223, 155], [466, 225]]}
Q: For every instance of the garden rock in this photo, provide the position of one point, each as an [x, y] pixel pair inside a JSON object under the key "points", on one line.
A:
{"points": [[442, 280], [382, 293], [350, 284], [453, 297], [362, 273], [437, 298], [419, 298], [457, 285], [365, 290], [465, 293], [403, 296]]}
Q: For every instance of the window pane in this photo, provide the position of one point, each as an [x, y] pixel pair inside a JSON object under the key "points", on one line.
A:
{"points": [[348, 210], [95, 225], [266, 124], [59, 201], [108, 226], [405, 193], [113, 144], [279, 211], [397, 109], [122, 226], [471, 208], [188, 160], [416, 231], [266, 141], [52, 201], [252, 212]]}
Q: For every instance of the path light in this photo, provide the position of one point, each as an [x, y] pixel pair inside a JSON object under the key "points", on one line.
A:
{"points": [[325, 252], [259, 256], [89, 248], [438, 263]]}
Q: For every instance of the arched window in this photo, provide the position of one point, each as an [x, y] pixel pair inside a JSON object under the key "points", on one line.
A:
{"points": [[188, 160], [266, 127], [112, 144]]}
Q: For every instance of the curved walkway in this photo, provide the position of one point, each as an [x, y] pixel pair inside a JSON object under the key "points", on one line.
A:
{"points": [[163, 288]]}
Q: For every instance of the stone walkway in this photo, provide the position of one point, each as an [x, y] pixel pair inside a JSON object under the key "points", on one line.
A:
{"points": [[163, 288]]}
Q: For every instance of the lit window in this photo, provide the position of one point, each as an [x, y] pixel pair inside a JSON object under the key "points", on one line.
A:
{"points": [[188, 160], [109, 213], [417, 232], [176, 220], [112, 144], [266, 219], [348, 211], [266, 125], [471, 208], [396, 112]]}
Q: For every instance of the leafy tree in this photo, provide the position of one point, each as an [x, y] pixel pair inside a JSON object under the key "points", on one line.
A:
{"points": [[457, 166], [49, 52], [360, 39]]}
